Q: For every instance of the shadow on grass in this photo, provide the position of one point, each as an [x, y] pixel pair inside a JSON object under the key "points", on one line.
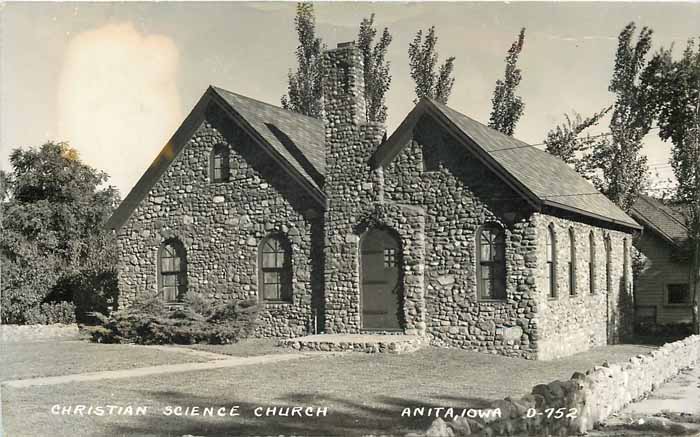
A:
{"points": [[344, 418]]}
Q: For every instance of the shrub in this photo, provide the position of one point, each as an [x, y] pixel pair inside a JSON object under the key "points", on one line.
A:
{"points": [[669, 330], [149, 321], [49, 313]]}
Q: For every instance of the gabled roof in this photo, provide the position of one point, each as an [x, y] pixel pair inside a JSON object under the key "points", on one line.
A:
{"points": [[293, 140], [542, 179], [660, 219]]}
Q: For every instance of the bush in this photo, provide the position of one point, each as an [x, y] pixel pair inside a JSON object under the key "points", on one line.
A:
{"points": [[669, 330], [50, 313], [197, 320], [92, 291]]}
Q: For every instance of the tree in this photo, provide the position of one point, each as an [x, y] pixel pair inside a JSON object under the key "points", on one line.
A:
{"points": [[52, 227], [675, 85], [507, 107], [304, 91], [422, 61], [377, 76], [622, 168], [565, 141]]}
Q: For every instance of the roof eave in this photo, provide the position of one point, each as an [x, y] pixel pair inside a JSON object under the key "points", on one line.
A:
{"points": [[585, 213]]}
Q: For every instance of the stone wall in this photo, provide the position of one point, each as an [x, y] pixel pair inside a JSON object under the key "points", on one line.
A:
{"points": [[20, 333], [221, 226], [572, 323], [587, 399], [459, 195]]}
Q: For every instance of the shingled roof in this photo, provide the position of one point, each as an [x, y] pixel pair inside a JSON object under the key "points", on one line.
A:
{"points": [[663, 220], [542, 178], [294, 140]]}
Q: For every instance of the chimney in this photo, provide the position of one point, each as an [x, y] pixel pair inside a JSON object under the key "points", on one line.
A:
{"points": [[344, 86]]}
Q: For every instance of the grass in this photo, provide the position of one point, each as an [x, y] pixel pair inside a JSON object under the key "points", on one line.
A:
{"points": [[363, 393], [245, 348], [38, 359]]}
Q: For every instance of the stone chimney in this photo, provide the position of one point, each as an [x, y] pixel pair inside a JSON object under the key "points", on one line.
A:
{"points": [[344, 86]]}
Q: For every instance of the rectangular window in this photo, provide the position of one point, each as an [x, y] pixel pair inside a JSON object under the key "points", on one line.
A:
{"points": [[677, 294], [389, 258]]}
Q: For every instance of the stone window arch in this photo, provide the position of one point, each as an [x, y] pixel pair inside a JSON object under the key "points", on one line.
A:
{"points": [[491, 265], [275, 265], [551, 257], [572, 261], [591, 261], [172, 270], [219, 164]]}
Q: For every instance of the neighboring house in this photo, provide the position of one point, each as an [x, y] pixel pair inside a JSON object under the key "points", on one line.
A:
{"points": [[448, 229], [662, 289]]}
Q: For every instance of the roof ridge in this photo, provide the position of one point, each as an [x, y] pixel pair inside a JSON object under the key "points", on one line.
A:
{"points": [[495, 131], [298, 114]]}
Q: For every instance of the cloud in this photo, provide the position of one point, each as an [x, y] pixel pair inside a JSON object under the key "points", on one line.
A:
{"points": [[118, 101]]}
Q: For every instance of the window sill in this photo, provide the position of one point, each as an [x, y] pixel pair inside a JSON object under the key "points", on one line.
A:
{"points": [[277, 302], [484, 300]]}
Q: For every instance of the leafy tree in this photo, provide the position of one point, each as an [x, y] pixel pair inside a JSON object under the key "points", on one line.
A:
{"points": [[422, 61], [377, 76], [52, 227], [676, 90], [566, 142], [507, 107], [619, 162], [304, 92]]}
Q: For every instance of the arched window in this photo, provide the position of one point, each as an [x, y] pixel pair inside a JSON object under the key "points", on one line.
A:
{"points": [[551, 262], [591, 262], [173, 271], [491, 269], [220, 163], [608, 263], [572, 261], [276, 269]]}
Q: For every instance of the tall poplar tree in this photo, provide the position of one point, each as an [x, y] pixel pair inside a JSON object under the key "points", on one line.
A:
{"points": [[304, 91], [422, 62], [376, 69], [507, 106], [621, 165]]}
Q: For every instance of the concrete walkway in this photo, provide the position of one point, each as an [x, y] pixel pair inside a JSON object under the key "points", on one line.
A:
{"points": [[218, 363]]}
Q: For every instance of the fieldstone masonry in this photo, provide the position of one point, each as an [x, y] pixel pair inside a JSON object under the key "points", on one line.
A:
{"points": [[434, 196], [221, 226]]}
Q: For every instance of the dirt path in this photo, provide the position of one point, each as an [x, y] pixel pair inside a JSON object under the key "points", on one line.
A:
{"points": [[217, 363]]}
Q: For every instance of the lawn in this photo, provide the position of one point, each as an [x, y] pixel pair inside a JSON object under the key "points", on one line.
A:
{"points": [[53, 358], [363, 393]]}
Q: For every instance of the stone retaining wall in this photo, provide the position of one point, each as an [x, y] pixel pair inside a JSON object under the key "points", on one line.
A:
{"points": [[587, 399], [18, 333]]}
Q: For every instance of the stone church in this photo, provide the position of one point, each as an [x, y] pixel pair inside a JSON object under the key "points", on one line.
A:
{"points": [[448, 229]]}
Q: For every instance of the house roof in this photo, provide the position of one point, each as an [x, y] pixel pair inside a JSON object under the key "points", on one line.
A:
{"points": [[293, 140], [662, 219], [298, 138], [541, 178]]}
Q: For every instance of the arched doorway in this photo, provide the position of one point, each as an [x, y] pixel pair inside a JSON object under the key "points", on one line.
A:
{"points": [[382, 291]]}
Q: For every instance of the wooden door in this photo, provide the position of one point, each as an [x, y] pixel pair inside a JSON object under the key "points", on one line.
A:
{"points": [[381, 287]]}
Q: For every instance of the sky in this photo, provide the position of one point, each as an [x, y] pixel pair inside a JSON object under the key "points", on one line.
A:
{"points": [[115, 80]]}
